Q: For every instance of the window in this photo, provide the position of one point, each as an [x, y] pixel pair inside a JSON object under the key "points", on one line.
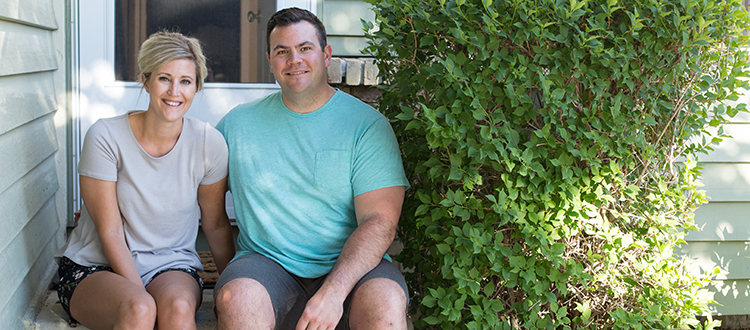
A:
{"points": [[232, 33]]}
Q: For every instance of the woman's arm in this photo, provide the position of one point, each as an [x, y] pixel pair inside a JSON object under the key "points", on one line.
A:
{"points": [[100, 198], [215, 222]]}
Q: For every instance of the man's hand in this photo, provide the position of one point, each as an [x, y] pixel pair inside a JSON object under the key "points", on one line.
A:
{"points": [[377, 215], [322, 312]]}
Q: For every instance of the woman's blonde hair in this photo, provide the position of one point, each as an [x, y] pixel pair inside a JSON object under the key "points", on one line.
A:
{"points": [[163, 47]]}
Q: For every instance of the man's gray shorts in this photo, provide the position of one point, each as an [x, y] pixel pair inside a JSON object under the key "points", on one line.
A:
{"points": [[289, 293]]}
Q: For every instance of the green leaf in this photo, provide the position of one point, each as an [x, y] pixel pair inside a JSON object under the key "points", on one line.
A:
{"points": [[413, 125], [429, 301], [431, 320], [455, 174], [443, 248], [558, 93]]}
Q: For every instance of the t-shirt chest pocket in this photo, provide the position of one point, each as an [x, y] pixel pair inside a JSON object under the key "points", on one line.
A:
{"points": [[333, 169]]}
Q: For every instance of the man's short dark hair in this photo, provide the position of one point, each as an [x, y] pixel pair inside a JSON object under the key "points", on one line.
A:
{"points": [[289, 16]]}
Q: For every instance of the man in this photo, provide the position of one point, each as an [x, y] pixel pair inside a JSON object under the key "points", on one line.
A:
{"points": [[318, 186]]}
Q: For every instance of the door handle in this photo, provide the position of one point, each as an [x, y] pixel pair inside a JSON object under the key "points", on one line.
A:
{"points": [[251, 16]]}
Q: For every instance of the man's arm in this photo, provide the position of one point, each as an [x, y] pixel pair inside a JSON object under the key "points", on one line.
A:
{"points": [[377, 213]]}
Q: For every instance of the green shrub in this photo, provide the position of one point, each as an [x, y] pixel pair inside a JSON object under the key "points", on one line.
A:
{"points": [[551, 146]]}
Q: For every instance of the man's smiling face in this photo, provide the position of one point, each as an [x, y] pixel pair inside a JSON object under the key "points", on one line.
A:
{"points": [[297, 60]]}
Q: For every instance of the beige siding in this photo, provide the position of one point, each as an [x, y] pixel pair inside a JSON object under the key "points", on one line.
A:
{"points": [[724, 241], [33, 176]]}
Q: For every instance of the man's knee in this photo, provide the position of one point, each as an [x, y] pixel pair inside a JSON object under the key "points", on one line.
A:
{"points": [[241, 292], [379, 303], [379, 294], [242, 302]]}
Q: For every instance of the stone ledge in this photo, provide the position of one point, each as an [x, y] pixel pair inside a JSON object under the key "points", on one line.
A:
{"points": [[353, 71]]}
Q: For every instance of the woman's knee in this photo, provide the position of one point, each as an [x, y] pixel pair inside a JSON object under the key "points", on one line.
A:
{"points": [[178, 304], [137, 308]]}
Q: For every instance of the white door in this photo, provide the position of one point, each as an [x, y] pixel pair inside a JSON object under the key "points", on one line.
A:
{"points": [[99, 94]]}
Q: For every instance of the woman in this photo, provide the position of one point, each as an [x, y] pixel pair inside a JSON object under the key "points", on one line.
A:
{"points": [[131, 261]]}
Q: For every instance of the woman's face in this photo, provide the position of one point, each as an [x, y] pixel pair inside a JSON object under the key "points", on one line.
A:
{"points": [[171, 89]]}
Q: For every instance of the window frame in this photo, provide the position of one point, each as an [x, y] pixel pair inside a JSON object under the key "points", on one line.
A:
{"points": [[96, 94]]}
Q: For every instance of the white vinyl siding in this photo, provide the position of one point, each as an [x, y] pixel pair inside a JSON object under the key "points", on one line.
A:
{"points": [[724, 241], [33, 171]]}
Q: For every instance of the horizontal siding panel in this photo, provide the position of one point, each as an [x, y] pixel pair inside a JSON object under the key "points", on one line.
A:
{"points": [[24, 98], [25, 49], [722, 222], [24, 199], [742, 117], [32, 12], [734, 297], [23, 306], [342, 18], [25, 249], [24, 148], [731, 257], [735, 149], [726, 182]]}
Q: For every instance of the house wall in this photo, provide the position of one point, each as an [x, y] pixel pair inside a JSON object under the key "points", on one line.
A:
{"points": [[33, 171], [724, 241]]}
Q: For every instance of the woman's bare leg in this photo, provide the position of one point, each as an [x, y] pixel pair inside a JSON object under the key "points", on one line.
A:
{"points": [[105, 300], [177, 297]]}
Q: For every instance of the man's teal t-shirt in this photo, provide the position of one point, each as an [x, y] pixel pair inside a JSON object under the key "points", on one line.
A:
{"points": [[293, 176]]}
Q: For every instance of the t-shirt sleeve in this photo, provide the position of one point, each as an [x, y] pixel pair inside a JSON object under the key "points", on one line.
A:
{"points": [[216, 156], [99, 153], [377, 161], [220, 125]]}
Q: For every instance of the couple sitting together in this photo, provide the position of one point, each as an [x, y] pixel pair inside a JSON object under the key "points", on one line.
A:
{"points": [[317, 184]]}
